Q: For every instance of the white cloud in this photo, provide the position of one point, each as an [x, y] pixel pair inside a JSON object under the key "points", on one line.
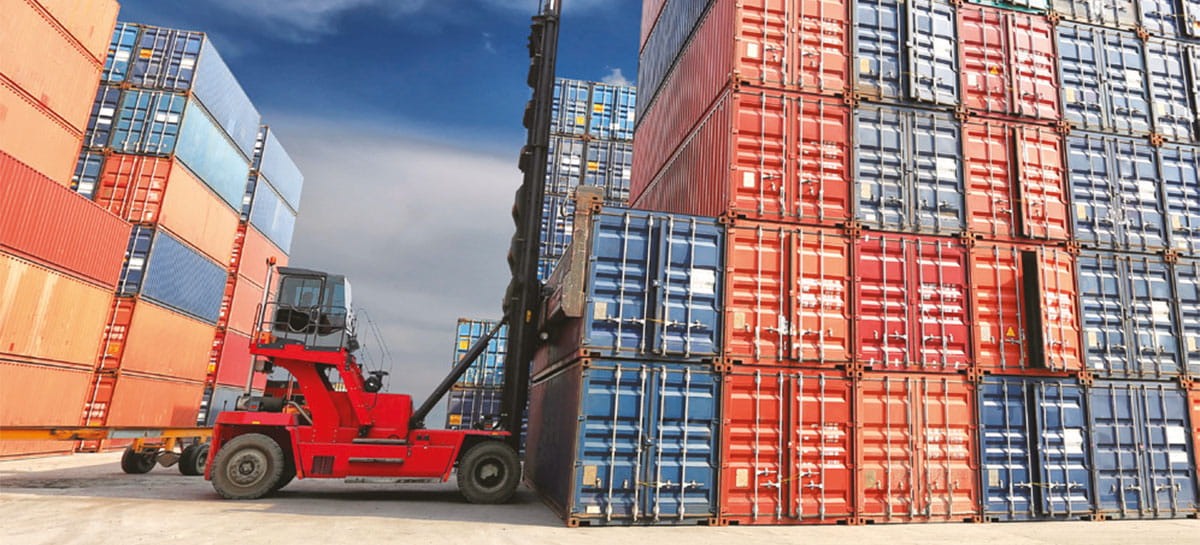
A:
{"points": [[617, 78]]}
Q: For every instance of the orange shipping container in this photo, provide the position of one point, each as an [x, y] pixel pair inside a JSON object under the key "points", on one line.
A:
{"points": [[43, 59], [37, 395], [90, 22], [49, 317], [243, 311], [35, 137], [146, 338], [153, 190], [233, 366], [145, 401], [256, 250]]}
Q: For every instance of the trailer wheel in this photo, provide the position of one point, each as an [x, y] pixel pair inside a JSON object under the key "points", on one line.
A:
{"points": [[247, 467], [137, 463], [489, 473], [193, 460]]}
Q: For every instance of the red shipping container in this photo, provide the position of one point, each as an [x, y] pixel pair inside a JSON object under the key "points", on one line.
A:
{"points": [[46, 63], [787, 295], [774, 44], [47, 317], [133, 400], [90, 22], [761, 155], [37, 395], [911, 311], [916, 449], [233, 366], [1009, 66], [1016, 185], [252, 255], [35, 136], [153, 190], [145, 338], [46, 222], [787, 447], [243, 304], [1024, 301]]}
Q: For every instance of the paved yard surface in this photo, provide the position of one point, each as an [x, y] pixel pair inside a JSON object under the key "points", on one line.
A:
{"points": [[86, 499]]}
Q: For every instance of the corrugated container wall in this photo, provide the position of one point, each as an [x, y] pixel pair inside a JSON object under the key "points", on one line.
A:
{"points": [[49, 317], [161, 268]]}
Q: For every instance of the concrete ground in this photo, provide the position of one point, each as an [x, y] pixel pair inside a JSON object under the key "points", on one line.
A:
{"points": [[86, 499]]}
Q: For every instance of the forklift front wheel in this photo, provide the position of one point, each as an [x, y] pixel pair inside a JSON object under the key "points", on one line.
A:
{"points": [[489, 473], [137, 463], [247, 467]]}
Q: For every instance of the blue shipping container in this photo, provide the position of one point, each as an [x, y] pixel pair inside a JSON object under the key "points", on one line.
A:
{"points": [[272, 217], [164, 270], [546, 268], [1170, 92], [120, 53], [558, 225], [599, 163], [908, 171], [87, 173], [473, 408], [1116, 188], [613, 112], [100, 123], [1111, 13], [488, 370], [274, 164], [1164, 18], [626, 443], [1142, 450], [1129, 314], [666, 43], [565, 164], [569, 110], [1103, 75], [907, 51], [1034, 439], [1180, 167], [1187, 293]]}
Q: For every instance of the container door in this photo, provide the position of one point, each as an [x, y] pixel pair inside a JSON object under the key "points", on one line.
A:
{"points": [[1169, 460], [1082, 81], [932, 50], [1034, 66], [1059, 342], [1151, 315], [166, 59], [821, 186], [1187, 294], [761, 296], [999, 306], [1118, 435], [1180, 168], [1190, 21], [1171, 103], [881, 168], [679, 466], [619, 276], [820, 274], [1005, 450], [558, 225], [1102, 298], [569, 114], [1065, 467], [687, 287], [1125, 78], [936, 173], [1162, 18], [1044, 213], [985, 63], [882, 299], [608, 166], [939, 274], [104, 111], [989, 178], [764, 184], [821, 52], [133, 273], [565, 165], [879, 45]]}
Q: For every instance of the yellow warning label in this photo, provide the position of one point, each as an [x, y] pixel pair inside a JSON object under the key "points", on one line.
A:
{"points": [[593, 165], [598, 108], [1010, 333], [463, 345], [146, 53], [113, 349], [995, 70], [456, 420], [580, 120]]}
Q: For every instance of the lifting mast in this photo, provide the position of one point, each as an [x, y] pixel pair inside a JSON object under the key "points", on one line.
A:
{"points": [[522, 299]]}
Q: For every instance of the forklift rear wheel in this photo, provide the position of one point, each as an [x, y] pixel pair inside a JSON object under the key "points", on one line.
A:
{"points": [[247, 467], [137, 463], [289, 473], [489, 473], [193, 460]]}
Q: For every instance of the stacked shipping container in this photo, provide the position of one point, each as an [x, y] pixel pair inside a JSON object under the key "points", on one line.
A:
{"points": [[957, 282], [60, 254], [474, 401]]}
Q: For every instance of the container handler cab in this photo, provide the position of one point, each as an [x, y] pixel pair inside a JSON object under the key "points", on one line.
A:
{"points": [[358, 434]]}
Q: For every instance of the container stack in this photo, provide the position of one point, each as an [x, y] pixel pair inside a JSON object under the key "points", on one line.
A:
{"points": [[264, 238], [167, 148], [954, 270], [474, 401], [591, 144], [60, 254]]}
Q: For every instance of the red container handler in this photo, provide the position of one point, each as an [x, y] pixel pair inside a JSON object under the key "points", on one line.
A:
{"points": [[787, 447], [46, 222], [1009, 63], [774, 44], [1016, 183], [915, 449], [1024, 301], [911, 303], [787, 295], [763, 155]]}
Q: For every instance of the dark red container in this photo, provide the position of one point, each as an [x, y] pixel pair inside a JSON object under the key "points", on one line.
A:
{"points": [[787, 295], [915, 449], [787, 447], [1024, 301], [764, 155], [1009, 65], [1016, 185], [47, 223], [911, 303]]}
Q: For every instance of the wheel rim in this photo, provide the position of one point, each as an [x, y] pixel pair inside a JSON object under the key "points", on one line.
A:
{"points": [[491, 473], [246, 468], [201, 459]]}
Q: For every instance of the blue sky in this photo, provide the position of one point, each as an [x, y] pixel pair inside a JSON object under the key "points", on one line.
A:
{"points": [[405, 117]]}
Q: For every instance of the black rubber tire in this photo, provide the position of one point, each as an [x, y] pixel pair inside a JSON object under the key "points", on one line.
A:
{"points": [[247, 467], [489, 473], [289, 473], [137, 463], [193, 460]]}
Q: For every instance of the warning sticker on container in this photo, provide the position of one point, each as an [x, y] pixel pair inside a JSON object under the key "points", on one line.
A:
{"points": [[593, 509], [1176, 435], [704, 282], [146, 53], [1161, 310], [1070, 94], [1147, 190], [1178, 457], [122, 55], [1193, 344], [742, 478], [1081, 210], [752, 50], [749, 180], [994, 478], [600, 311], [579, 120], [464, 345], [864, 66], [1073, 441], [598, 108], [593, 165], [1011, 332]]}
